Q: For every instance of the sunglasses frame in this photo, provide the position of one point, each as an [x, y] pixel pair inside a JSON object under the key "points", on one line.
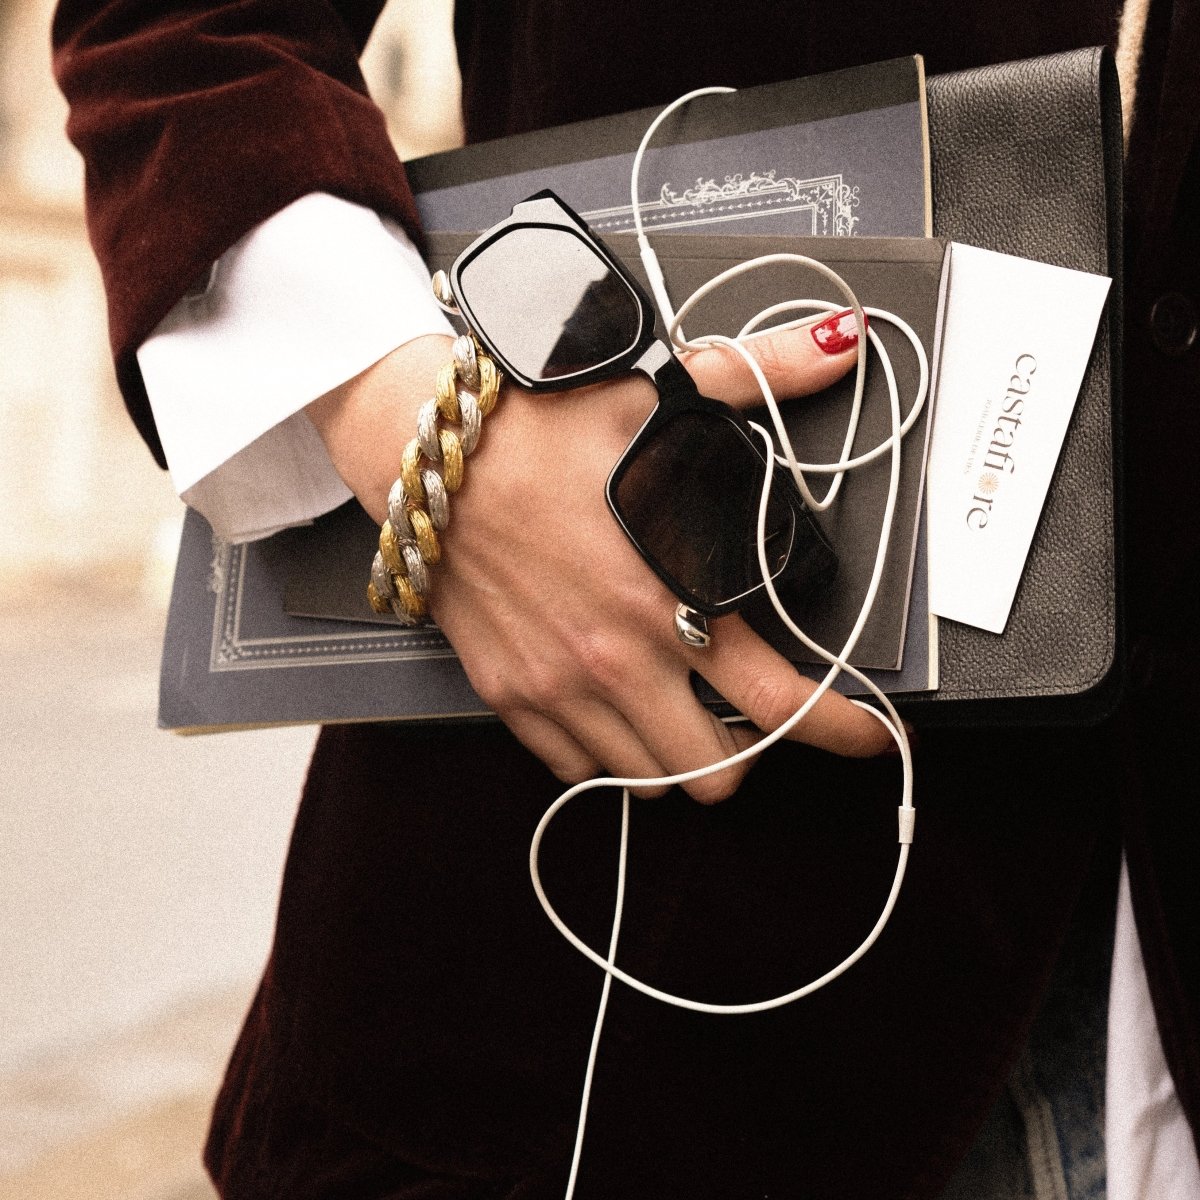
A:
{"points": [[677, 394], [544, 210]]}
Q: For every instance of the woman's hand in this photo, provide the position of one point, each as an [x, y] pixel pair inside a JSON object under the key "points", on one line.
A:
{"points": [[561, 627]]}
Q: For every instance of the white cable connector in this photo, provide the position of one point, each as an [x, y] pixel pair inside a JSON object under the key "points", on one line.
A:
{"points": [[658, 285]]}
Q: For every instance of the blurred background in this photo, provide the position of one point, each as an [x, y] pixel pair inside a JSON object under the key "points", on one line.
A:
{"points": [[138, 870]]}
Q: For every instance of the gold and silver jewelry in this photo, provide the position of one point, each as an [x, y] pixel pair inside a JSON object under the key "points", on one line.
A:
{"points": [[691, 627], [431, 470]]}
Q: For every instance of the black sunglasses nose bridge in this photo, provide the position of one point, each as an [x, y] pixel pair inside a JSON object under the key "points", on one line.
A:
{"points": [[669, 375], [658, 363]]}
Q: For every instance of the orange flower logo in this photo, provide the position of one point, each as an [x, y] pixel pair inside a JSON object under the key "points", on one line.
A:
{"points": [[988, 484]]}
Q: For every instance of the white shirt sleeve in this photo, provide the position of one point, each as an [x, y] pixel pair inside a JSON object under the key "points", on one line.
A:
{"points": [[308, 299]]}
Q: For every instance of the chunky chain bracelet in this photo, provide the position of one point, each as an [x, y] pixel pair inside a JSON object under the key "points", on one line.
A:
{"points": [[431, 470]]}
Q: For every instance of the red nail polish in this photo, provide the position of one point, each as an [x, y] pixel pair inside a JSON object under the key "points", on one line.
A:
{"points": [[837, 333]]}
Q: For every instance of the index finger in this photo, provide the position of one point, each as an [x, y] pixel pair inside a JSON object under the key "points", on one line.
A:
{"points": [[767, 689], [797, 362]]}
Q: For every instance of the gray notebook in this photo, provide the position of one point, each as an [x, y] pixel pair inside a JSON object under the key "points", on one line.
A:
{"points": [[902, 275], [843, 153]]}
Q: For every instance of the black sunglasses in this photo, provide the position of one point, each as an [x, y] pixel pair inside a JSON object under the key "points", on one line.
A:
{"points": [[556, 309]]}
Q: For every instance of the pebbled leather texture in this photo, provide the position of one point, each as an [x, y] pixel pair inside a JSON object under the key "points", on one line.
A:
{"points": [[1026, 159]]}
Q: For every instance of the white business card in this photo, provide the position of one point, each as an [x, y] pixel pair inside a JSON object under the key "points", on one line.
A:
{"points": [[1016, 341]]}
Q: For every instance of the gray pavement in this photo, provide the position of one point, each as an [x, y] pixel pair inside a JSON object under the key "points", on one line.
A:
{"points": [[138, 876]]}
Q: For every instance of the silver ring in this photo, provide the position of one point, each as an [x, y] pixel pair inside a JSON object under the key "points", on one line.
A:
{"points": [[691, 627]]}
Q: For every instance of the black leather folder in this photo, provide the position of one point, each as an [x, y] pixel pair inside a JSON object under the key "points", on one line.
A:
{"points": [[1027, 160]]}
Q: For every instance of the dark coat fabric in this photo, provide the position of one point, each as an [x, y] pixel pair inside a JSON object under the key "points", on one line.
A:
{"points": [[421, 1030]]}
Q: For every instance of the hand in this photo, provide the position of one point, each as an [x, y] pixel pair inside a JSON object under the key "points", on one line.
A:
{"points": [[561, 627]]}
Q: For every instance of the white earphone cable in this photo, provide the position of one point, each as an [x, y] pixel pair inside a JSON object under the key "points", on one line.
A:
{"points": [[837, 662]]}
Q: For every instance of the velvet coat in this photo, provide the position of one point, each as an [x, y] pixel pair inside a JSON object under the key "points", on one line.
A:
{"points": [[420, 1030]]}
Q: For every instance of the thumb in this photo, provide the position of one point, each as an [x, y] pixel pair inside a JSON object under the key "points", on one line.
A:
{"points": [[796, 362]]}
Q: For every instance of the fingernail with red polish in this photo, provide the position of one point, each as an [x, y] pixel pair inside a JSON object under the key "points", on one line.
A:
{"points": [[837, 333]]}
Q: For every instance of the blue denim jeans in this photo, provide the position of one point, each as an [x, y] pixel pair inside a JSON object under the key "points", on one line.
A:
{"points": [[1044, 1140]]}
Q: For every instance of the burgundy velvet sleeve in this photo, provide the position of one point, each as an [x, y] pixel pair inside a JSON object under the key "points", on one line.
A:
{"points": [[198, 121]]}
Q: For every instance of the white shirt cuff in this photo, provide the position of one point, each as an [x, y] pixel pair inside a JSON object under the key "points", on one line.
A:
{"points": [[308, 299]]}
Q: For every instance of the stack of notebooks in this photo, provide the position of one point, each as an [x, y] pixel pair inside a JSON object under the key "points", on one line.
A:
{"points": [[835, 167]]}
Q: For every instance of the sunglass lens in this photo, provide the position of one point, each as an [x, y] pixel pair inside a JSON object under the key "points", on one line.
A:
{"points": [[689, 496], [552, 305]]}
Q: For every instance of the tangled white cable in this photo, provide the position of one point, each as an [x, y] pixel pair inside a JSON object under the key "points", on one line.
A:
{"points": [[838, 662]]}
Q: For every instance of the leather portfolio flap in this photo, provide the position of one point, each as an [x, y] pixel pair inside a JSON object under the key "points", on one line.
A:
{"points": [[1026, 160]]}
